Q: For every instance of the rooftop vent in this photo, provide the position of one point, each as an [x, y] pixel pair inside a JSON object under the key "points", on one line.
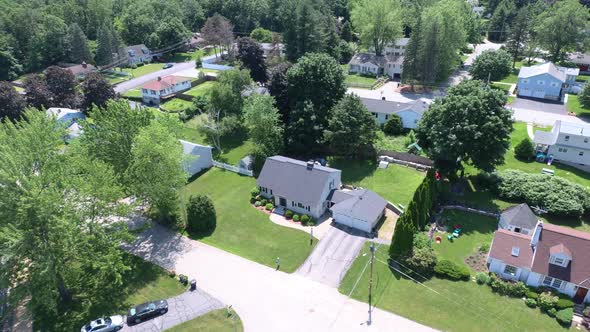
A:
{"points": [[515, 251], [310, 165]]}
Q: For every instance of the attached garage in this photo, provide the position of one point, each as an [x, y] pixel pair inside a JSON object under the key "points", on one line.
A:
{"points": [[539, 94], [360, 209]]}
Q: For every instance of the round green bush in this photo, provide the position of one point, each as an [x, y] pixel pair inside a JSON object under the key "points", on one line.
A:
{"points": [[448, 269], [288, 214], [252, 200], [547, 301], [484, 248], [255, 191], [481, 278], [393, 126], [201, 215], [531, 295], [565, 316], [263, 202], [552, 312], [564, 303], [586, 311], [295, 217], [269, 207], [305, 218], [525, 149], [531, 303], [257, 204]]}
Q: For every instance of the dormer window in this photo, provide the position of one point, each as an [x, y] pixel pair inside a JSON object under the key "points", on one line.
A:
{"points": [[559, 255]]}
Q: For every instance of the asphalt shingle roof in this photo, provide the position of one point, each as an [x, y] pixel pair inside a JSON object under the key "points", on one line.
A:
{"points": [[391, 107], [361, 204], [520, 216]]}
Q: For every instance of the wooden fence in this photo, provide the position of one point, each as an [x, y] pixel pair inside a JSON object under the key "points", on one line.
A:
{"points": [[233, 168]]}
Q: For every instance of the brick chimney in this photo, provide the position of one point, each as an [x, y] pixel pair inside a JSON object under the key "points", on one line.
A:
{"points": [[84, 65], [536, 234], [310, 165], [159, 78]]}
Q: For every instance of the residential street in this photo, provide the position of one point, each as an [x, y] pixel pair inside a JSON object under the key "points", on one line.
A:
{"points": [[332, 257], [541, 118], [265, 299], [128, 85], [463, 73]]}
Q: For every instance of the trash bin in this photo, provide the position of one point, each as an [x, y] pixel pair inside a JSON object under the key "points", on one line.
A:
{"points": [[193, 285]]}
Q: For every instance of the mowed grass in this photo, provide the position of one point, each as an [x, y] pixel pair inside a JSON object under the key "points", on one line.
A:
{"points": [[133, 93], [201, 89], [460, 306], [573, 105], [147, 68], [143, 282], [214, 321], [583, 78], [244, 230], [176, 105], [395, 183]]}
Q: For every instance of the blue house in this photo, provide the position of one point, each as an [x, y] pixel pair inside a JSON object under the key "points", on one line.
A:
{"points": [[546, 81]]}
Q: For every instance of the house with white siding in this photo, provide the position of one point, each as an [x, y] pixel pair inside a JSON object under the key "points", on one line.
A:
{"points": [[519, 219], [410, 112], [552, 256], [568, 142], [164, 87], [389, 64], [196, 157]]}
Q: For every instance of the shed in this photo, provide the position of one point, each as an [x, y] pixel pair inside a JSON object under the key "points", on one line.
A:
{"points": [[198, 157]]}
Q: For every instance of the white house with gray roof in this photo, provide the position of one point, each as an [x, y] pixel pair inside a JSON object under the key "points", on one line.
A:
{"points": [[360, 208], [568, 142], [410, 113], [519, 219], [137, 54], [390, 64], [196, 157], [299, 186]]}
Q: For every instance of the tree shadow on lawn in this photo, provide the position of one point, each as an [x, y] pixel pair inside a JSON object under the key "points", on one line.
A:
{"points": [[571, 222], [353, 171], [470, 222]]}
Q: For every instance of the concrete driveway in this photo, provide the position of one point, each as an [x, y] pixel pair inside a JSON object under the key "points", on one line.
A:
{"points": [[181, 308], [265, 299], [332, 256], [540, 106], [133, 83]]}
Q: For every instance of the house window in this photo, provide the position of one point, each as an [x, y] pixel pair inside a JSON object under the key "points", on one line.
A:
{"points": [[271, 191], [547, 281], [375, 114], [525, 81], [556, 283], [581, 153], [386, 116], [567, 138], [585, 140], [562, 150], [511, 270], [300, 205], [553, 282], [558, 261], [554, 84], [307, 208], [540, 82]]}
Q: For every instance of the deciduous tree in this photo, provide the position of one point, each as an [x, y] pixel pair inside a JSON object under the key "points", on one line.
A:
{"points": [[278, 88], [62, 84], [37, 92], [12, 104], [261, 35], [251, 55], [305, 133], [520, 33], [226, 96], [378, 22], [491, 65], [584, 96], [97, 91], [263, 121]]}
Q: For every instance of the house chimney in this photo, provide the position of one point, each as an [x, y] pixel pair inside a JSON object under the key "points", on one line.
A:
{"points": [[159, 78], [536, 234], [84, 65], [382, 98], [310, 165]]}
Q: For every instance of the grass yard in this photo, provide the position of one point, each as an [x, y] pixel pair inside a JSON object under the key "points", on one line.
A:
{"points": [[395, 183], [573, 105], [500, 86], [443, 304], [133, 93], [188, 56], [358, 79], [242, 229], [144, 70], [143, 282], [214, 321], [176, 105], [234, 147], [512, 78], [114, 78], [583, 78], [201, 89]]}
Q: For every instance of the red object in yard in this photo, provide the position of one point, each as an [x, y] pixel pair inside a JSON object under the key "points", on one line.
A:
{"points": [[436, 175], [438, 239], [457, 226]]}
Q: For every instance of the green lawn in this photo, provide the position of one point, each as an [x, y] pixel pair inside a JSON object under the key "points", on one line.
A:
{"points": [[583, 78], [214, 321], [574, 105], [201, 89], [114, 78], [512, 78], [176, 105], [242, 229], [500, 86], [442, 304], [188, 56], [357, 79], [144, 70], [143, 282], [395, 183], [234, 147], [133, 93]]}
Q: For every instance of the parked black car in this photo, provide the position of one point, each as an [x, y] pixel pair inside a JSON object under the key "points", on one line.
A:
{"points": [[146, 311]]}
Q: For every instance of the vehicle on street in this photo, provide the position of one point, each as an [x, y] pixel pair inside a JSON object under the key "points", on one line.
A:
{"points": [[106, 324], [168, 65], [146, 311]]}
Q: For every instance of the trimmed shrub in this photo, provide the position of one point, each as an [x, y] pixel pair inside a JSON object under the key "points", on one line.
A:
{"points": [[565, 316], [255, 191], [531, 303], [295, 217], [257, 204], [263, 202], [304, 219], [531, 295], [552, 312], [288, 214], [484, 248], [517, 289], [172, 273], [448, 269], [269, 207], [183, 279], [422, 260], [201, 215], [547, 301], [421, 240], [394, 125], [564, 304], [525, 149], [253, 200], [482, 278]]}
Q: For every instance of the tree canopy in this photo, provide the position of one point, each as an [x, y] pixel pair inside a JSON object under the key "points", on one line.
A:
{"points": [[264, 124], [378, 22], [491, 64]]}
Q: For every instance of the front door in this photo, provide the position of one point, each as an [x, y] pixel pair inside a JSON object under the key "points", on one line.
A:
{"points": [[282, 201], [580, 295]]}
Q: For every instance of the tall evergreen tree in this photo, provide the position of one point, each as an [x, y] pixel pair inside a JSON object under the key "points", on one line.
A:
{"points": [[305, 31], [520, 33], [499, 25], [104, 48], [305, 134], [78, 51], [412, 73]]}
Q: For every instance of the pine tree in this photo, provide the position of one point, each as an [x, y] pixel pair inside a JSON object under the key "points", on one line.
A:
{"points": [[411, 74], [78, 51], [403, 237], [104, 49], [520, 34], [429, 53]]}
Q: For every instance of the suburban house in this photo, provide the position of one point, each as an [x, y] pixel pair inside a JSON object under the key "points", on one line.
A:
{"points": [[390, 64], [138, 54], [566, 142], [553, 256], [69, 119], [197, 157], [271, 49], [360, 208], [518, 219], [302, 187], [582, 60], [164, 87], [546, 81], [80, 71], [410, 112]]}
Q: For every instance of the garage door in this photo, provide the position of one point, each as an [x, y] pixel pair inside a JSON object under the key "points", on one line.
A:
{"points": [[539, 94], [524, 92], [351, 222]]}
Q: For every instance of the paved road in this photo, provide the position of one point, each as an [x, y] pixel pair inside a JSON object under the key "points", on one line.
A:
{"points": [[265, 299], [463, 73], [128, 85], [181, 308], [541, 118], [332, 257]]}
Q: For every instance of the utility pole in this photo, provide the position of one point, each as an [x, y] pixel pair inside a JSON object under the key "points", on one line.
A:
{"points": [[372, 248], [311, 235]]}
